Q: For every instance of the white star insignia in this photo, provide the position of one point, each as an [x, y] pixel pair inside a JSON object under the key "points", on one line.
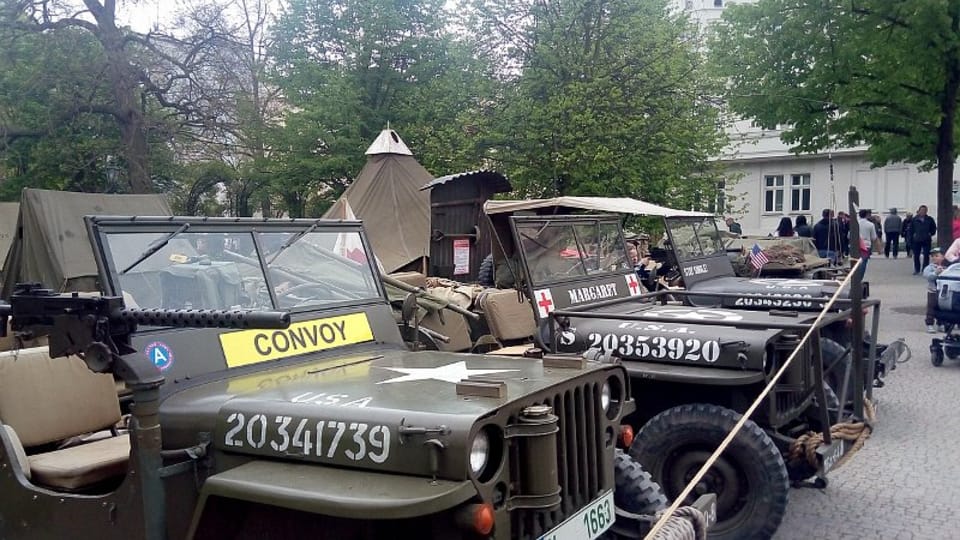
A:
{"points": [[451, 373]]}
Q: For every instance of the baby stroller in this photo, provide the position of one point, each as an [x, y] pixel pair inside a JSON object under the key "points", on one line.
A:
{"points": [[947, 313]]}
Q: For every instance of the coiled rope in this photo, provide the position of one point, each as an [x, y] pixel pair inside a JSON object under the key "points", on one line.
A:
{"points": [[805, 446], [687, 523]]}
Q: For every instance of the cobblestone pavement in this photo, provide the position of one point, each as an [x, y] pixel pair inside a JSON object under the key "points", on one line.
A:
{"points": [[902, 483]]}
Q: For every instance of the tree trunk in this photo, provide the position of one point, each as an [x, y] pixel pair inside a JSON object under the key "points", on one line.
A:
{"points": [[945, 139], [124, 87]]}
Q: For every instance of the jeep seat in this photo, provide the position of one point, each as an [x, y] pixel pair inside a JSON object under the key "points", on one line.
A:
{"points": [[508, 314], [45, 400]]}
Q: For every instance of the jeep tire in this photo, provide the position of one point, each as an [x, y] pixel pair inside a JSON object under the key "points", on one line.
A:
{"points": [[750, 477], [636, 492]]}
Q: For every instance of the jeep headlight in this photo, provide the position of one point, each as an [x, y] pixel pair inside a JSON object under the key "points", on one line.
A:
{"points": [[479, 452], [605, 396]]}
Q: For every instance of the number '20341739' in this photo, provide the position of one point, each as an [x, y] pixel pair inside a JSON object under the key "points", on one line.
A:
{"points": [[657, 347], [321, 438]]}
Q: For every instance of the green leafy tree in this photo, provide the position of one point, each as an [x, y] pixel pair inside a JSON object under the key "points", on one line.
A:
{"points": [[885, 73], [602, 97], [350, 68], [138, 90]]}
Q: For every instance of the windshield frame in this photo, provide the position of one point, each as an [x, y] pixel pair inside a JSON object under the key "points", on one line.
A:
{"points": [[574, 221], [674, 223], [99, 227]]}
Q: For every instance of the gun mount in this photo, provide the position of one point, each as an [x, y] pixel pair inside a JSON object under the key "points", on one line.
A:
{"points": [[98, 328]]}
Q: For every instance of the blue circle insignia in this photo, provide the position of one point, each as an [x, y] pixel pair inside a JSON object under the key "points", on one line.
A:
{"points": [[160, 354]]}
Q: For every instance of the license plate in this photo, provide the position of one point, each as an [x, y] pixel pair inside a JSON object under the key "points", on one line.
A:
{"points": [[589, 523]]}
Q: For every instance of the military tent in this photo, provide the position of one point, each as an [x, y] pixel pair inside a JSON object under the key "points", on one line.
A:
{"points": [[386, 196], [8, 225], [51, 245]]}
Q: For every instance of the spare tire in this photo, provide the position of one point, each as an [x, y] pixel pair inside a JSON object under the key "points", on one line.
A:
{"points": [[750, 477], [485, 272]]}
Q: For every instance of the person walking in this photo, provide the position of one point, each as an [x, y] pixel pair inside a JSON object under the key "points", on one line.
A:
{"points": [[802, 229], [891, 227], [906, 231], [868, 239], [843, 223], [875, 219], [922, 229], [931, 272]]}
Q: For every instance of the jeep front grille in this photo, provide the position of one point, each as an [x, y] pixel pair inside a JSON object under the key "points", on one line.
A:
{"points": [[580, 458]]}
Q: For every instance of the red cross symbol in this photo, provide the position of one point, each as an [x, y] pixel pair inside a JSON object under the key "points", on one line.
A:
{"points": [[545, 303], [633, 285]]}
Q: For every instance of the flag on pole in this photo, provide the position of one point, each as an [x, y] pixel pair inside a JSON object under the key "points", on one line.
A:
{"points": [[348, 245], [757, 257]]}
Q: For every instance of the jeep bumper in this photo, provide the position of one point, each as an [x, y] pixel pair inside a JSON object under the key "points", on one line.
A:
{"points": [[333, 491]]}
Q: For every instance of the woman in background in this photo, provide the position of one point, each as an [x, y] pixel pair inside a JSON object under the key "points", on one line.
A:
{"points": [[802, 228], [785, 228]]}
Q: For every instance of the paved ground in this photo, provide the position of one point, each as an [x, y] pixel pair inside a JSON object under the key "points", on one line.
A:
{"points": [[902, 483]]}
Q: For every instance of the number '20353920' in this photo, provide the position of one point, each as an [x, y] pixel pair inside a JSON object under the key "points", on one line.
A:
{"points": [[658, 347]]}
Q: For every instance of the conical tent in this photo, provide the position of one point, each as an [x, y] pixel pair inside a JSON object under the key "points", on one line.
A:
{"points": [[386, 196]]}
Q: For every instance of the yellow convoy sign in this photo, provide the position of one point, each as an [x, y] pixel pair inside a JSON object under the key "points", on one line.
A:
{"points": [[252, 346]]}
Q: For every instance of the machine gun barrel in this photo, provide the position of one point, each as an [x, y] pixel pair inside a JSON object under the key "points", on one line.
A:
{"points": [[206, 318]]}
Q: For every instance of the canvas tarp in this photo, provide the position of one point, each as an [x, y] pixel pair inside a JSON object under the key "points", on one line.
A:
{"points": [[615, 205], [8, 226], [52, 246], [386, 196]]}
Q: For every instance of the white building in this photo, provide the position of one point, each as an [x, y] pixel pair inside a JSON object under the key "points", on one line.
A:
{"points": [[768, 182]]}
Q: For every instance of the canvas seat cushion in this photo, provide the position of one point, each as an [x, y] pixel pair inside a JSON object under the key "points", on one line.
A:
{"points": [[45, 400], [81, 465], [509, 316], [49, 399]]}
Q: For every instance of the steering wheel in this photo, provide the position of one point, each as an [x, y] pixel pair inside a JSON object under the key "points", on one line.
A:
{"points": [[302, 293]]}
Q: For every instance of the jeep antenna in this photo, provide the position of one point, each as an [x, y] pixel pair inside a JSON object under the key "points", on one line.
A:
{"points": [[833, 239]]}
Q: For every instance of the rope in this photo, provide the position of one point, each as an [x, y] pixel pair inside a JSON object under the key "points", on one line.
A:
{"points": [[805, 446], [652, 535], [687, 523]]}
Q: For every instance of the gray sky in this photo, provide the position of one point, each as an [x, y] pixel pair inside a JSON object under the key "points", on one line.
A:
{"points": [[143, 14]]}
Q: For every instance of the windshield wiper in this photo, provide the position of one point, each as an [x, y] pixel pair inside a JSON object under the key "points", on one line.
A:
{"points": [[290, 241], [155, 247]]}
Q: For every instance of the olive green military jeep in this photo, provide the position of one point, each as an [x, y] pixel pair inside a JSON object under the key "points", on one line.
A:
{"points": [[271, 395]]}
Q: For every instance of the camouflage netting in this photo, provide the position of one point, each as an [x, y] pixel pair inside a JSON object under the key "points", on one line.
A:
{"points": [[785, 254]]}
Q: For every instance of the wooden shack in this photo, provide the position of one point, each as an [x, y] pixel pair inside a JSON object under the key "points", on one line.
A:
{"points": [[460, 235]]}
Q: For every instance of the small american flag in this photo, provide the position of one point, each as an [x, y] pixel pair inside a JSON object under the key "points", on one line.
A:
{"points": [[757, 257]]}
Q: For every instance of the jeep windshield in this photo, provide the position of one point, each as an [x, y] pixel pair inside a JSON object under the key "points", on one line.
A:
{"points": [[694, 237], [563, 249], [298, 266]]}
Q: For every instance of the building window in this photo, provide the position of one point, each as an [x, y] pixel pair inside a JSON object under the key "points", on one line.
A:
{"points": [[773, 193], [717, 3], [800, 192]]}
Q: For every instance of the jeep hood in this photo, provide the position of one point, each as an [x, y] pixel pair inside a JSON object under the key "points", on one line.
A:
{"points": [[792, 291], [374, 410]]}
